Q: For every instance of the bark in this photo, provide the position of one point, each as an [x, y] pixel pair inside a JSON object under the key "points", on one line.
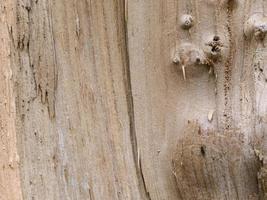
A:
{"points": [[93, 106]]}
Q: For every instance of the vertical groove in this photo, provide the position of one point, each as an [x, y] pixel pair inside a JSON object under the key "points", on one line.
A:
{"points": [[128, 87], [228, 69]]}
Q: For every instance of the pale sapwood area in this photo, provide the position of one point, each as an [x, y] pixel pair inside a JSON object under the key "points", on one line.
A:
{"points": [[133, 99]]}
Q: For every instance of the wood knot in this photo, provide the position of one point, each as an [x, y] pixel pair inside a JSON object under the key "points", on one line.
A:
{"points": [[256, 26], [188, 55], [187, 21]]}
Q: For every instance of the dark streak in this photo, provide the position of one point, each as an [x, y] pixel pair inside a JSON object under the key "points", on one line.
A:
{"points": [[51, 109], [143, 179], [130, 105], [203, 150]]}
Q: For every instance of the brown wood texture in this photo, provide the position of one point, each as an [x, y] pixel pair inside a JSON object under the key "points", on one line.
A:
{"points": [[74, 115], [93, 107]]}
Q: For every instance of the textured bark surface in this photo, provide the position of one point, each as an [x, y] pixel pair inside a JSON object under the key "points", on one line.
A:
{"points": [[73, 106], [93, 107], [10, 187], [214, 166]]}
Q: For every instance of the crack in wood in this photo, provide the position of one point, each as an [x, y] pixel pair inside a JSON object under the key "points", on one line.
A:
{"points": [[128, 87], [143, 178]]}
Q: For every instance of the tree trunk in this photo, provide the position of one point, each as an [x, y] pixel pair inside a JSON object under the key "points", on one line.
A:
{"points": [[129, 99]]}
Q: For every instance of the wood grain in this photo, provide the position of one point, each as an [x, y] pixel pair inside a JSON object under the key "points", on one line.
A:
{"points": [[75, 128], [164, 102], [93, 107], [10, 186]]}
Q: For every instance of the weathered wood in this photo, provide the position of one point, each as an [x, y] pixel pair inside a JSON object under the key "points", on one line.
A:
{"points": [[164, 102], [10, 187], [93, 107], [74, 116]]}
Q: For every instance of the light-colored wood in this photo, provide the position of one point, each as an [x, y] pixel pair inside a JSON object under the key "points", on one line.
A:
{"points": [[164, 102], [93, 107], [74, 115], [10, 187]]}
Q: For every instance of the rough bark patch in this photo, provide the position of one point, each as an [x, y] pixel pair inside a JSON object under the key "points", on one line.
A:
{"points": [[208, 165]]}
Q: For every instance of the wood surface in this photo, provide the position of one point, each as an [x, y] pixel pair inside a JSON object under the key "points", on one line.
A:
{"points": [[93, 107]]}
